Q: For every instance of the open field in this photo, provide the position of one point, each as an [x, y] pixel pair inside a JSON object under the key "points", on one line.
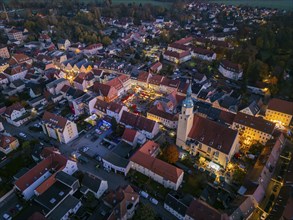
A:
{"points": [[279, 4]]}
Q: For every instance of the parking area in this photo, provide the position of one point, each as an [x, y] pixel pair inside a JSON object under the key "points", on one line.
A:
{"points": [[10, 207]]}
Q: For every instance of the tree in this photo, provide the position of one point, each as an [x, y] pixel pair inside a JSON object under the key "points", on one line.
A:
{"points": [[171, 154], [145, 212], [238, 175], [106, 41], [113, 124]]}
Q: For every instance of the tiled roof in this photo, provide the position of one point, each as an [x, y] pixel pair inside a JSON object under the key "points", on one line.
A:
{"points": [[201, 211], [143, 76], [129, 134], [138, 122], [16, 106], [231, 66], [257, 123], [280, 105], [178, 46], [174, 83], [6, 140], [184, 40], [156, 79], [54, 120], [155, 66], [162, 114], [161, 168], [212, 134], [176, 55]]}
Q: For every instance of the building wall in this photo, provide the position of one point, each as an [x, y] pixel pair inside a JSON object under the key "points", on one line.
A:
{"points": [[278, 117], [71, 167], [29, 192], [103, 188], [251, 133], [173, 212], [156, 177], [229, 74], [109, 165], [165, 122], [70, 132], [4, 53]]}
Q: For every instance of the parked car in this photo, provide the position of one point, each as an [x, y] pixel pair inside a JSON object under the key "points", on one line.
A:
{"points": [[154, 201], [6, 216], [22, 135], [85, 149], [144, 194]]}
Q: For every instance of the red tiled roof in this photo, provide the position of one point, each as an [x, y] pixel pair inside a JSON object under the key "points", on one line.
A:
{"points": [[16, 106], [202, 51], [162, 114], [5, 141], [178, 46], [51, 119], [94, 46], [106, 90], [37, 216], [115, 107], [123, 78], [155, 66], [184, 40], [280, 105], [149, 147], [116, 83], [176, 55], [156, 79], [129, 134], [55, 161], [143, 76], [212, 134], [167, 171], [101, 105], [199, 210], [231, 66], [138, 122], [174, 83], [257, 123]]}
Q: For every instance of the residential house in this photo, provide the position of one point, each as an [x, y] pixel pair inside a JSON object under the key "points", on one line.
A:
{"points": [[177, 205], [44, 38], [279, 111], [46, 169], [156, 67], [4, 53], [3, 65], [8, 143], [253, 128], [16, 72], [203, 54], [252, 109], [123, 202], [169, 85], [63, 44], [84, 104], [16, 114], [59, 128], [167, 119], [55, 86], [176, 57], [143, 79], [115, 110], [144, 161], [146, 126], [201, 210], [155, 82], [84, 80], [3, 80], [15, 34], [92, 183], [92, 49], [20, 58], [230, 70], [133, 137], [108, 92]]}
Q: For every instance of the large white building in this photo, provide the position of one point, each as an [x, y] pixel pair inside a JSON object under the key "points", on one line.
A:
{"points": [[59, 128], [230, 70], [199, 135]]}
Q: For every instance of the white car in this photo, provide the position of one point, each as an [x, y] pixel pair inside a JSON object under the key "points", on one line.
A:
{"points": [[154, 201], [85, 149], [7, 217], [22, 135]]}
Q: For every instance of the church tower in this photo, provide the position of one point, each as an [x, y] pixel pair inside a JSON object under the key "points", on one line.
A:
{"points": [[185, 121]]}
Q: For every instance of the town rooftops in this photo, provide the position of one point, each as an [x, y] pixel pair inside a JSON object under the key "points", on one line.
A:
{"points": [[129, 134], [202, 51], [6, 140], [162, 114], [138, 122], [174, 83], [257, 123], [185, 40], [143, 76], [156, 79], [280, 105], [55, 161], [177, 55], [201, 211], [212, 134], [64, 207], [53, 196], [144, 157], [231, 66], [55, 83], [15, 107], [91, 181], [178, 46], [53, 120]]}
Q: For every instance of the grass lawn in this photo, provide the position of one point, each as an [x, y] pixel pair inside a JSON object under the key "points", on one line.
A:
{"points": [[280, 4], [155, 189]]}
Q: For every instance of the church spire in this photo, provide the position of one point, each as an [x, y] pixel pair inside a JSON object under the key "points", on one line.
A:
{"points": [[188, 102]]}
